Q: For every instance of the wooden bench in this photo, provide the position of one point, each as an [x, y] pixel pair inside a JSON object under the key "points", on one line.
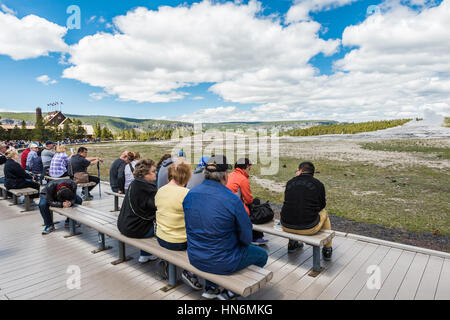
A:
{"points": [[27, 192], [316, 241], [244, 282], [116, 198]]}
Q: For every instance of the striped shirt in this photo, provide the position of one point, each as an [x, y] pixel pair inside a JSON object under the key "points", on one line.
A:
{"points": [[59, 165]]}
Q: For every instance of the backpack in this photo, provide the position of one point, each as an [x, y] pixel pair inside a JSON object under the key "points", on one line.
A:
{"points": [[261, 213]]}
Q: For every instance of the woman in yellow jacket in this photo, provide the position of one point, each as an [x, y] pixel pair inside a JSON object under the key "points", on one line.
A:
{"points": [[170, 223]]}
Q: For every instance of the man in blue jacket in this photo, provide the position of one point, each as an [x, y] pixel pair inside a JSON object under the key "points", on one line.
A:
{"points": [[219, 231]]}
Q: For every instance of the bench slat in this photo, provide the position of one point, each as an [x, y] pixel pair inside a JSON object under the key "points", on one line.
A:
{"points": [[318, 239], [23, 192]]}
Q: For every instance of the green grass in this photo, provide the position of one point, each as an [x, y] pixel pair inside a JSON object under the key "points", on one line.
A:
{"points": [[409, 146], [412, 199], [407, 198], [347, 128]]}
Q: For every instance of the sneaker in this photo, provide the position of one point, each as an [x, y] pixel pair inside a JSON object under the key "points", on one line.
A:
{"points": [[259, 242], [227, 295], [211, 292], [191, 280], [48, 229], [293, 246], [327, 253], [144, 259]]}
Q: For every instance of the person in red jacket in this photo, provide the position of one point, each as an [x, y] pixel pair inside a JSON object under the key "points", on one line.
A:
{"points": [[23, 158], [238, 182]]}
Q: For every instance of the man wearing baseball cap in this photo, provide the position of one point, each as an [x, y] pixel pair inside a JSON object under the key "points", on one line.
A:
{"points": [[219, 231]]}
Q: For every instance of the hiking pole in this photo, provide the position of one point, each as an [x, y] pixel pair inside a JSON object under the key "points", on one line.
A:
{"points": [[100, 181]]}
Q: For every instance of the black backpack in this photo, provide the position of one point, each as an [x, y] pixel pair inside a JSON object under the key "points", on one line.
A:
{"points": [[260, 213]]}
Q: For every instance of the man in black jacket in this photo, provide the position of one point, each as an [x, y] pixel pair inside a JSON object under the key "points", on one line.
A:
{"points": [[303, 209], [57, 193], [117, 173]]}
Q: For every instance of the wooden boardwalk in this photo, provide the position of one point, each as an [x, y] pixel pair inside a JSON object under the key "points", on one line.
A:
{"points": [[33, 266]]}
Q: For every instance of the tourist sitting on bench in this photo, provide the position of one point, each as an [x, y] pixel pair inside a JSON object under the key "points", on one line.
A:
{"points": [[80, 163], [59, 165], [219, 230], [238, 182], [198, 176], [303, 210], [117, 173], [15, 176], [3, 149], [138, 208], [57, 193], [170, 225]]}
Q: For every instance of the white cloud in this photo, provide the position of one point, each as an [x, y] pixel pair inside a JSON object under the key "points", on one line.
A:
{"points": [[98, 95], [400, 65], [157, 53], [7, 10], [301, 9], [198, 98], [45, 79], [30, 37]]}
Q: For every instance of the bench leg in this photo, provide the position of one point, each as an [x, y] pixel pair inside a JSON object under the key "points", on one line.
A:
{"points": [[27, 204], [72, 229], [172, 278], [14, 199], [316, 262], [116, 204], [101, 244], [122, 255]]}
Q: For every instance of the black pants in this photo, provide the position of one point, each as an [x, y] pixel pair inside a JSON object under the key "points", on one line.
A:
{"points": [[257, 234], [93, 179]]}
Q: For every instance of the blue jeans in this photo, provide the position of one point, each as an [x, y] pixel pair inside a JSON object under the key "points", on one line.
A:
{"points": [[250, 255], [150, 233], [172, 246], [44, 208], [2, 180]]}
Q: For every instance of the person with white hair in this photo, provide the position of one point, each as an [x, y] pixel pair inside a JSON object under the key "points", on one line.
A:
{"points": [[31, 155], [15, 176]]}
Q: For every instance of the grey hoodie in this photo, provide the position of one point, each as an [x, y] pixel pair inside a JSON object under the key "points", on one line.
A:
{"points": [[163, 173], [197, 178]]}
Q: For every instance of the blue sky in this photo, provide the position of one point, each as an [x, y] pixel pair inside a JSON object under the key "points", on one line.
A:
{"points": [[22, 92]]}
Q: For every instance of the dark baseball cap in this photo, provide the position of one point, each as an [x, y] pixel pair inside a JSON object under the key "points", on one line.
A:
{"points": [[218, 163], [48, 142]]}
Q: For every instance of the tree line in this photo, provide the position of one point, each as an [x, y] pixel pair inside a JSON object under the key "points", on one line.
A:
{"points": [[43, 132], [347, 128]]}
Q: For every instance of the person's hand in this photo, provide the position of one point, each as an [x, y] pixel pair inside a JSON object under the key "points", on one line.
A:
{"points": [[67, 204], [100, 159], [120, 192]]}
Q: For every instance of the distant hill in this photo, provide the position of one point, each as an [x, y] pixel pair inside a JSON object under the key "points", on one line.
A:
{"points": [[116, 124]]}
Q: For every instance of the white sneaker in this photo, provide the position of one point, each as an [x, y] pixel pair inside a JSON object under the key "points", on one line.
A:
{"points": [[144, 259]]}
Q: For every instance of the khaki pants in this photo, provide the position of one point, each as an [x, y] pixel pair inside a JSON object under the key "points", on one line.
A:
{"points": [[324, 224]]}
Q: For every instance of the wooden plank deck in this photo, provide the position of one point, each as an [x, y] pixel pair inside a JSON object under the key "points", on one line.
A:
{"points": [[33, 266]]}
